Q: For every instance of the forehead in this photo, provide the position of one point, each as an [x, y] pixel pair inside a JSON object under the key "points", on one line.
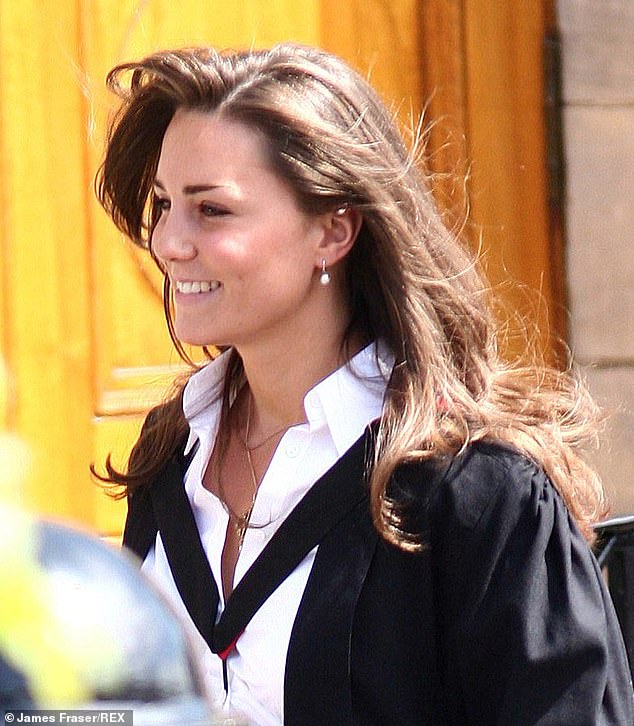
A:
{"points": [[203, 141]]}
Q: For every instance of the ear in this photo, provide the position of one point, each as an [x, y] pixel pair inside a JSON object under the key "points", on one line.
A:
{"points": [[340, 230]]}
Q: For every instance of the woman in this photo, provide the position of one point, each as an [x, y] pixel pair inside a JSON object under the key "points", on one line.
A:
{"points": [[368, 516]]}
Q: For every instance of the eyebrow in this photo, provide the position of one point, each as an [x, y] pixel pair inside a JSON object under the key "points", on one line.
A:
{"points": [[191, 188]]}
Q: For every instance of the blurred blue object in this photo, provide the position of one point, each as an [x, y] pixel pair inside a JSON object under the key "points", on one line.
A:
{"points": [[118, 646]]}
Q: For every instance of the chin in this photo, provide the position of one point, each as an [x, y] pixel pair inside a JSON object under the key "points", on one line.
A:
{"points": [[194, 338]]}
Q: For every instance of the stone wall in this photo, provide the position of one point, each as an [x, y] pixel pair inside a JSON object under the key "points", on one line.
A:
{"points": [[598, 125]]}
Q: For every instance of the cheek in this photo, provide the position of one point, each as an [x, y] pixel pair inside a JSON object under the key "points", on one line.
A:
{"points": [[278, 253], [227, 255], [289, 264]]}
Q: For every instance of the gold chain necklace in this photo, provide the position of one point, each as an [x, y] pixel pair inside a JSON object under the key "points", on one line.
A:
{"points": [[254, 447], [241, 522]]}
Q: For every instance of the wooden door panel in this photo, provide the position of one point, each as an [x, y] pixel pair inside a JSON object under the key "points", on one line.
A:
{"points": [[504, 46], [45, 270]]}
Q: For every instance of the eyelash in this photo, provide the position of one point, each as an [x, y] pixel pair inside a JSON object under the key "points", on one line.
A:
{"points": [[208, 210], [211, 210], [160, 204]]}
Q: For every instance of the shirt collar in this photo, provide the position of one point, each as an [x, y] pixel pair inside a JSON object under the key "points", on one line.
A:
{"points": [[351, 397], [202, 397], [345, 402]]}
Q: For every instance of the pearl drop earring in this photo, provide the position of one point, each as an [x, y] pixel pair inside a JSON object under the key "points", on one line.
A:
{"points": [[324, 278]]}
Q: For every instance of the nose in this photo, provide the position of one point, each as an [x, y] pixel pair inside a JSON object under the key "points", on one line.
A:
{"points": [[171, 238]]}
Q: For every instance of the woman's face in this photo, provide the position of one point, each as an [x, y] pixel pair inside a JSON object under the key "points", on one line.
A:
{"points": [[242, 258]]}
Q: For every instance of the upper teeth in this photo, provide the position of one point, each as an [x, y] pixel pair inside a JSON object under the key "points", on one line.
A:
{"points": [[197, 286]]}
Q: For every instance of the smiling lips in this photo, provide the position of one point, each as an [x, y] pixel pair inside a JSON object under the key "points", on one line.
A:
{"points": [[196, 286]]}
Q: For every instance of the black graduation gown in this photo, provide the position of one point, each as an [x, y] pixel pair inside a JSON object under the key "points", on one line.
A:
{"points": [[503, 619]]}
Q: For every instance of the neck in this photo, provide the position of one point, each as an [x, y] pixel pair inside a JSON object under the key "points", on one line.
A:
{"points": [[283, 361], [279, 376], [279, 383]]}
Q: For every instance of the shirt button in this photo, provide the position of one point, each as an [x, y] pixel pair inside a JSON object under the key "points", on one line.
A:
{"points": [[292, 451]]}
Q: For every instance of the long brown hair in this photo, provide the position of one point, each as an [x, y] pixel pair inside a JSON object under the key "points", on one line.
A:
{"points": [[411, 282]]}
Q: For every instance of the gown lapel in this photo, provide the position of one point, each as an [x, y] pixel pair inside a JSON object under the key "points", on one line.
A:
{"points": [[327, 502], [331, 501], [185, 554], [317, 688]]}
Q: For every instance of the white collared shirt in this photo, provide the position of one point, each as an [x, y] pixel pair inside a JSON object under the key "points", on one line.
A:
{"points": [[338, 409]]}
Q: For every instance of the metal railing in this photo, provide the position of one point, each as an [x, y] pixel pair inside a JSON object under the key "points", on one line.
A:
{"points": [[615, 554]]}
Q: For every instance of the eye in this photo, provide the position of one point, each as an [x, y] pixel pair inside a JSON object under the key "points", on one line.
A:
{"points": [[212, 210], [161, 204]]}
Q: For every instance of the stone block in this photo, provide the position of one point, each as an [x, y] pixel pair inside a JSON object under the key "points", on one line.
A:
{"points": [[613, 388], [597, 50], [599, 150]]}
